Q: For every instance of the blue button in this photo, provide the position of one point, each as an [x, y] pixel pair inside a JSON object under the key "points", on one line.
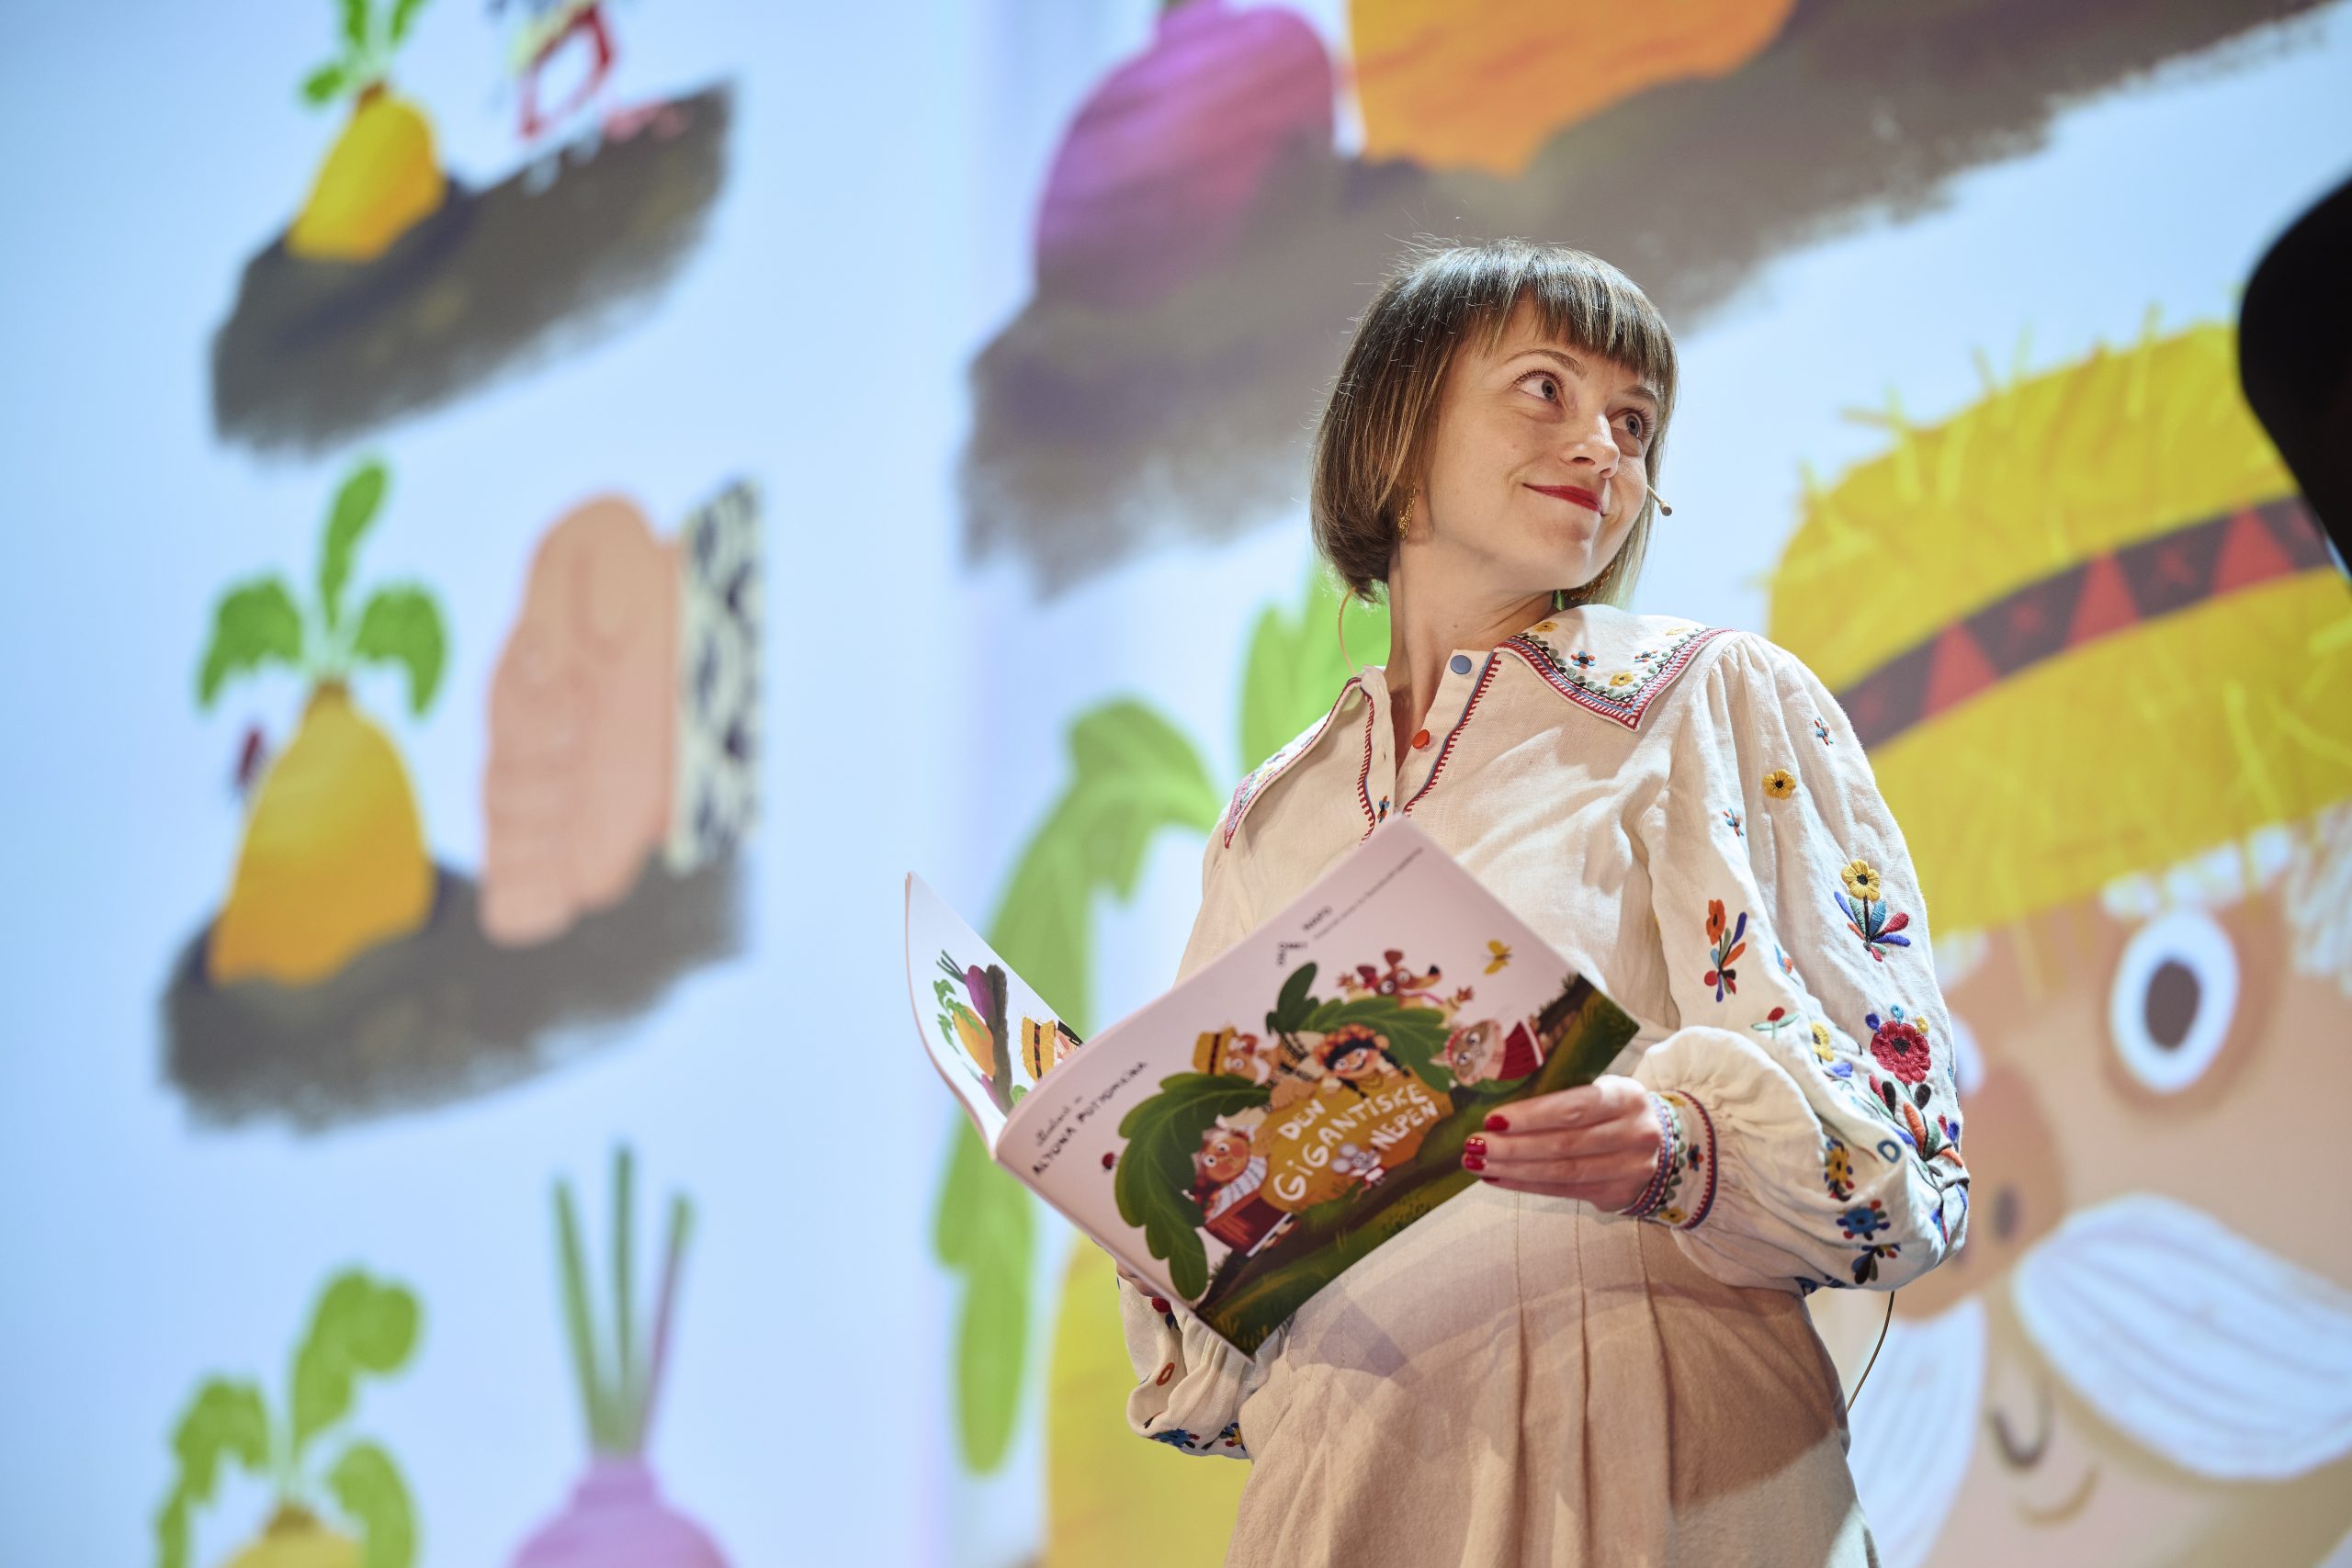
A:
{"points": [[1460, 663]]}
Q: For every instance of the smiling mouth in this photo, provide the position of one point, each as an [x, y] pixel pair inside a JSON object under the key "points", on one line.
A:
{"points": [[1583, 497], [2024, 1455]]}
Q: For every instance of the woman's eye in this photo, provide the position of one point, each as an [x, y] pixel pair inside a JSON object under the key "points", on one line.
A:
{"points": [[2175, 992], [1641, 424], [1543, 375]]}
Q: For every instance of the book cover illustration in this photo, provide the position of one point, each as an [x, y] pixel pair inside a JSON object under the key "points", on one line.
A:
{"points": [[1243, 1138], [989, 1033]]}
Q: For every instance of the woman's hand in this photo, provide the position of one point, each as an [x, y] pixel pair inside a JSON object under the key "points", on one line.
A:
{"points": [[1598, 1142], [1150, 1290]]}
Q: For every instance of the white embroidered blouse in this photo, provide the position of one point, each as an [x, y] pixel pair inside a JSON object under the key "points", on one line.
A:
{"points": [[1686, 814]]}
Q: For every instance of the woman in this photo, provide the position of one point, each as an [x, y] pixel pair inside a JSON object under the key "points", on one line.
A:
{"points": [[1600, 1354]]}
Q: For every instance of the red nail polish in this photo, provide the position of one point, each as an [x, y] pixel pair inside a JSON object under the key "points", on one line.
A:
{"points": [[1472, 1162], [1159, 1303], [1474, 1146], [1495, 1123]]}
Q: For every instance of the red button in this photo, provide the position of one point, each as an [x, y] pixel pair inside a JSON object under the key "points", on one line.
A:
{"points": [[1421, 740]]}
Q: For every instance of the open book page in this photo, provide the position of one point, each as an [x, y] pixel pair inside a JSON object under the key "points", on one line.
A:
{"points": [[1304, 1095], [990, 1035]]}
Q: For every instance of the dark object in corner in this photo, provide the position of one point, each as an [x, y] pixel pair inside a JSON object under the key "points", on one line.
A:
{"points": [[2295, 356]]}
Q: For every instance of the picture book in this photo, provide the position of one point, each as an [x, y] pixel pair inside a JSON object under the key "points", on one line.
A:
{"points": [[1298, 1100]]}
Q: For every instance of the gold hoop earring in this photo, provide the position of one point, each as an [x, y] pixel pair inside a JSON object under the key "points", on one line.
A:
{"points": [[1404, 518]]}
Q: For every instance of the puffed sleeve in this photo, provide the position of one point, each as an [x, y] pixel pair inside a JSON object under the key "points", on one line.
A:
{"points": [[1190, 1384], [1807, 1092]]}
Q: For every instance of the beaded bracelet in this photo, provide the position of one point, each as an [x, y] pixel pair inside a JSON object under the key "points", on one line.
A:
{"points": [[1670, 1149]]}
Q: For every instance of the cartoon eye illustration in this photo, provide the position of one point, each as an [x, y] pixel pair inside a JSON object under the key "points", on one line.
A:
{"points": [[2175, 993]]}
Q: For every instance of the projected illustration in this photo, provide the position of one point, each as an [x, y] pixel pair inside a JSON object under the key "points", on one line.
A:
{"points": [[1201, 246], [2100, 655], [348, 972], [336, 1500], [615, 1516], [399, 286]]}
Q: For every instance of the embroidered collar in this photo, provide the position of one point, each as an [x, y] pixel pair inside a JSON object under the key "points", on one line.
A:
{"points": [[1605, 661], [1608, 660]]}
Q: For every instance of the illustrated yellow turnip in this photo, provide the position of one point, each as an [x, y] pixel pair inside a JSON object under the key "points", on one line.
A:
{"points": [[333, 858], [296, 1537], [382, 173]]}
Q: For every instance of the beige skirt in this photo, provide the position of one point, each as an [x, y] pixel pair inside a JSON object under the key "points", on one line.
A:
{"points": [[1520, 1380]]}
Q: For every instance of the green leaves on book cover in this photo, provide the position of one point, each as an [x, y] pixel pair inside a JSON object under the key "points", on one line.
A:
{"points": [[1154, 1177], [1249, 1296]]}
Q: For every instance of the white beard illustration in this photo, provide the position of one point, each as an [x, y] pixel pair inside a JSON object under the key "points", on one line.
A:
{"points": [[2206, 1349]]}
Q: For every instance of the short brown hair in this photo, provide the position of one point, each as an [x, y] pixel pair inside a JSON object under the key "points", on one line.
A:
{"points": [[1383, 410]]}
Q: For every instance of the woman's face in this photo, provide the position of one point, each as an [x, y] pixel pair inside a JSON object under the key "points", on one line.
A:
{"points": [[1536, 470]]}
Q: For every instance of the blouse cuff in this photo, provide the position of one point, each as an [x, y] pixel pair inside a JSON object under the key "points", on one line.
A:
{"points": [[1190, 1384], [1766, 1212], [1682, 1191]]}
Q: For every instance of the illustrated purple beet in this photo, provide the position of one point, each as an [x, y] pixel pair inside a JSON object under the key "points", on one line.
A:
{"points": [[1162, 166], [615, 1516], [617, 1520]]}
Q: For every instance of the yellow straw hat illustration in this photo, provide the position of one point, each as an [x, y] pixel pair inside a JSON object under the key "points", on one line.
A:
{"points": [[2086, 629]]}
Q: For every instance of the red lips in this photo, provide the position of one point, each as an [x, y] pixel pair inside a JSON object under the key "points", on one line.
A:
{"points": [[1584, 498]]}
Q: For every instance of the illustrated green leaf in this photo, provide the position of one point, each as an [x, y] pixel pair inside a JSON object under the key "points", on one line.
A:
{"points": [[580, 1324], [171, 1532], [1293, 1006], [403, 13], [326, 83], [983, 1229], [253, 625], [625, 1367], [368, 1487], [402, 626], [225, 1420], [1133, 773], [1296, 667], [1153, 1180], [355, 505], [360, 1327], [1415, 1035]]}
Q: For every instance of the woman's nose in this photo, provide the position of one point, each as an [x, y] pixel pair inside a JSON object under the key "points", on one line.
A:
{"points": [[1593, 442]]}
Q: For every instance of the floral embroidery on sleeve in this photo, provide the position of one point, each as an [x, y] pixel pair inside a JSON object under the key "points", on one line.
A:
{"points": [[1727, 944], [1899, 1043], [1861, 1222], [1176, 1436], [1779, 783], [1865, 909], [1837, 1167], [1731, 820]]}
